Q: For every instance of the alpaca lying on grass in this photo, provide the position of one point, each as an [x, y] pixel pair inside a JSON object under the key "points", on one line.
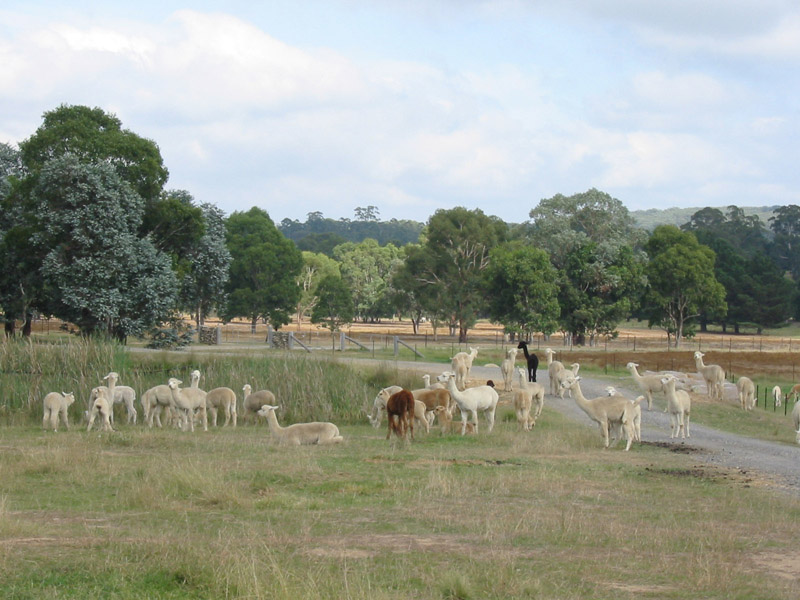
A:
{"points": [[300, 434]]}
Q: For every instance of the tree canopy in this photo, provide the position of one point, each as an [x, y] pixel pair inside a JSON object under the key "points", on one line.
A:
{"points": [[263, 271]]}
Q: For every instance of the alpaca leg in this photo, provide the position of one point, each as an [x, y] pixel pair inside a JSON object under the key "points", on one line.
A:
{"points": [[686, 426], [474, 414]]}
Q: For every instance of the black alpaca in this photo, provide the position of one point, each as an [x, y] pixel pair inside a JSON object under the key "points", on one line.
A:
{"points": [[533, 361]]}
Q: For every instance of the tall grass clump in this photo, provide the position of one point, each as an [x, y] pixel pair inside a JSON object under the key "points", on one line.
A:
{"points": [[306, 388], [30, 369]]}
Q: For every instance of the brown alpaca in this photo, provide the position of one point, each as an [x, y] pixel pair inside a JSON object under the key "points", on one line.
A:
{"points": [[400, 405]]}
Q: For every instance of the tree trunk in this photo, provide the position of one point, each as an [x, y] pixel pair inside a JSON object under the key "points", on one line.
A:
{"points": [[27, 326], [10, 326], [253, 324]]}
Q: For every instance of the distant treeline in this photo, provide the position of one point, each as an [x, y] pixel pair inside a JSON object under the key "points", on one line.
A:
{"points": [[651, 218], [321, 234]]}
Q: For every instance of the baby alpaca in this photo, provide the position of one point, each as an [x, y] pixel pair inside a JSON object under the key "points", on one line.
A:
{"points": [[300, 434], [777, 395], [445, 416], [102, 407], [56, 405]]}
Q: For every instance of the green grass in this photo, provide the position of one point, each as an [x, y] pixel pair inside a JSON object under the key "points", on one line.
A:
{"points": [[161, 514], [143, 513]]}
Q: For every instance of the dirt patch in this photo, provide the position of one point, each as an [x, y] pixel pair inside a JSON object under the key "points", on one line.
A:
{"points": [[785, 566], [673, 447], [371, 545], [449, 462]]}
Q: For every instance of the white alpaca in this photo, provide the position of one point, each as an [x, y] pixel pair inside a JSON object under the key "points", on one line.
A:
{"points": [[379, 404], [680, 405], [482, 398], [56, 405], [222, 398], [713, 375], [100, 407], [437, 385], [155, 400], [648, 384], [461, 364], [300, 433], [606, 411], [253, 401], [632, 422], [562, 377], [554, 370], [777, 395], [528, 398], [507, 369], [796, 421], [747, 393], [188, 400]]}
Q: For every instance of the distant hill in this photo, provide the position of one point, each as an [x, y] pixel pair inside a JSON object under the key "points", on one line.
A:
{"points": [[653, 217]]}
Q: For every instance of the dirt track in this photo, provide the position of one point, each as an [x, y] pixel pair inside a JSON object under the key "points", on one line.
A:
{"points": [[776, 464]]}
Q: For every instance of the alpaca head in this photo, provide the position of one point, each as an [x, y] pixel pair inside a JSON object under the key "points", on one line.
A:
{"points": [[247, 389], [611, 390], [631, 366], [522, 345], [174, 383], [112, 376], [266, 409], [698, 355]]}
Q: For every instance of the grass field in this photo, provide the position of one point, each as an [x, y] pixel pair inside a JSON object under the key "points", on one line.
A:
{"points": [[162, 514], [142, 513]]}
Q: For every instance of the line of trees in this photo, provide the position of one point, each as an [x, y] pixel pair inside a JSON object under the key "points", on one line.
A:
{"points": [[89, 234]]}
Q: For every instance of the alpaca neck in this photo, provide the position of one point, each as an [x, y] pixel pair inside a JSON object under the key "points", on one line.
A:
{"points": [[525, 350], [581, 400], [451, 387], [273, 421]]}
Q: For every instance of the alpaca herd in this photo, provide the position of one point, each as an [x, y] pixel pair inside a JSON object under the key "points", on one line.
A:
{"points": [[617, 416]]}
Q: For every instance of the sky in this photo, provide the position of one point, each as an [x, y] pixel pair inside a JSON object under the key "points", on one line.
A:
{"points": [[417, 105]]}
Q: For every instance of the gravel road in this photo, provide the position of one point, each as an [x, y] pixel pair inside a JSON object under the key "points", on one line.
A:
{"points": [[778, 463]]}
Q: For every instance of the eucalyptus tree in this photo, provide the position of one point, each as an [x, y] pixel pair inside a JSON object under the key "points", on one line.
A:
{"points": [[263, 270], [785, 248], [334, 305], [412, 295], [20, 282], [367, 268], [92, 135], [522, 290], [203, 286], [458, 243], [98, 273], [595, 245], [681, 280], [315, 268]]}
